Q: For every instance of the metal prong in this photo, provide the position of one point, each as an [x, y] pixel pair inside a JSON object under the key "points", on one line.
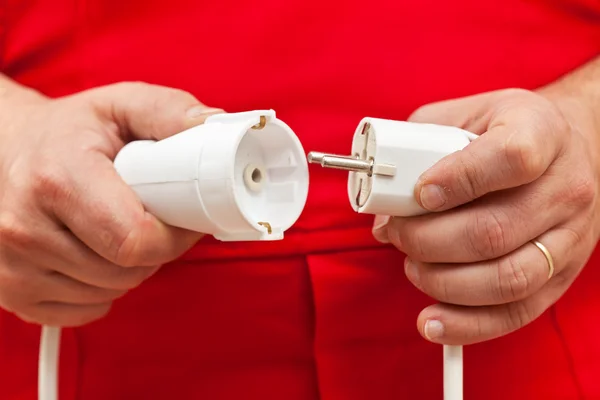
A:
{"points": [[314, 157], [267, 226], [347, 164], [261, 124], [340, 162]]}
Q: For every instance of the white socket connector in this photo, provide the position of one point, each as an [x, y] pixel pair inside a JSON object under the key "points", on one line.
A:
{"points": [[239, 176]]}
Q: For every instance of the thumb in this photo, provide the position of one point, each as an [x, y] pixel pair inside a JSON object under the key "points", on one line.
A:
{"points": [[145, 111], [471, 113]]}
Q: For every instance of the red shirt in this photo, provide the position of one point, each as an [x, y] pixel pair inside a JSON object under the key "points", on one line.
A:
{"points": [[327, 313]]}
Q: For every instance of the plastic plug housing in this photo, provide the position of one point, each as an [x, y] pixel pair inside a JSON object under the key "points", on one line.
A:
{"points": [[239, 176], [387, 158]]}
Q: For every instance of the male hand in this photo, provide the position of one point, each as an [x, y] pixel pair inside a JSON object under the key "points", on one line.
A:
{"points": [[531, 175], [73, 235]]}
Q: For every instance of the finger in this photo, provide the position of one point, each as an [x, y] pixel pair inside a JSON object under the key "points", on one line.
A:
{"points": [[56, 287], [32, 239], [97, 206], [380, 228], [64, 253], [64, 315], [472, 113], [144, 111], [488, 228], [461, 325], [516, 148], [23, 285], [124, 233], [37, 285], [513, 277], [106, 215]]}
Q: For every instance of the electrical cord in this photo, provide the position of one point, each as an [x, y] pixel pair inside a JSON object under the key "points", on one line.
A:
{"points": [[453, 372], [48, 363]]}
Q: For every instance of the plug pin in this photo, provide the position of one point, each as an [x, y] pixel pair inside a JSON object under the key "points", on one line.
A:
{"points": [[340, 162]]}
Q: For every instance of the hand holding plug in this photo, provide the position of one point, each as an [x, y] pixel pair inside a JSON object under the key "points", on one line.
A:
{"points": [[514, 215], [73, 236]]}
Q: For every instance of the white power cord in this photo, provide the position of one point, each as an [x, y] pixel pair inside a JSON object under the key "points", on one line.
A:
{"points": [[453, 372], [386, 160], [50, 349], [238, 177], [48, 363]]}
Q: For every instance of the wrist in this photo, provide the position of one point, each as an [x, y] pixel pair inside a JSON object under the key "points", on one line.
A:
{"points": [[578, 109], [578, 104]]}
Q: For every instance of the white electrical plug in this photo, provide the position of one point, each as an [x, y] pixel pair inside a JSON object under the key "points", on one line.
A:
{"points": [[386, 161], [238, 177]]}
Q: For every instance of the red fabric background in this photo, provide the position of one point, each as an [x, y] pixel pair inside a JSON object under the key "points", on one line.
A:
{"points": [[327, 313]]}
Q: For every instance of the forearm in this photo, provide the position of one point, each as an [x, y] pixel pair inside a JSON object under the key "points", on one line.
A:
{"points": [[578, 95]]}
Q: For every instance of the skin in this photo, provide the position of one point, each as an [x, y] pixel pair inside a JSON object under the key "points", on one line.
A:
{"points": [[73, 236], [533, 174]]}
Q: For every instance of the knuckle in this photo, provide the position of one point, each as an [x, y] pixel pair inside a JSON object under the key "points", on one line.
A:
{"points": [[478, 330], [18, 289], [513, 281], [130, 86], [50, 183], [12, 231], [582, 192], [422, 114], [487, 234], [121, 241], [469, 180], [8, 301], [394, 235], [175, 93], [126, 255], [104, 295], [89, 315], [30, 317], [517, 315], [436, 286], [516, 92], [140, 275], [522, 155], [130, 278], [129, 249], [411, 240]]}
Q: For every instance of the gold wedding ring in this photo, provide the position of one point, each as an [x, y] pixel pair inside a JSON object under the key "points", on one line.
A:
{"points": [[548, 256]]}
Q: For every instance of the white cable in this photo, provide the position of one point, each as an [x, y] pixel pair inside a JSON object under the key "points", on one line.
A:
{"points": [[48, 363], [453, 372]]}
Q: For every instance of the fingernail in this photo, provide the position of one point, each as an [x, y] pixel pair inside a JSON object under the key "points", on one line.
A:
{"points": [[434, 329], [412, 272], [202, 111], [379, 232], [432, 197]]}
